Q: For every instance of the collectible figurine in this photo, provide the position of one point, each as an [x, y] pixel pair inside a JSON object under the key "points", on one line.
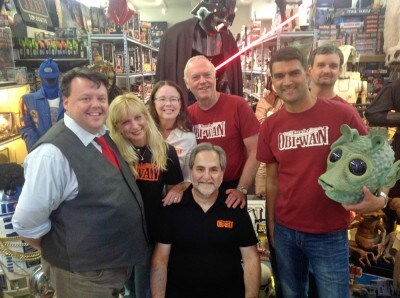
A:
{"points": [[206, 34], [370, 237], [355, 161]]}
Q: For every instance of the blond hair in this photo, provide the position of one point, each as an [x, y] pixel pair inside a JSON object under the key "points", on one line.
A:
{"points": [[128, 105]]}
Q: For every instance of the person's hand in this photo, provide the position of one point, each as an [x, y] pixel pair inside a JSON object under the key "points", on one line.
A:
{"points": [[394, 204], [235, 198], [370, 203], [173, 196]]}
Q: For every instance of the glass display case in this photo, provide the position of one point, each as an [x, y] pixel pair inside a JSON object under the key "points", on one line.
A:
{"points": [[12, 147], [6, 57]]}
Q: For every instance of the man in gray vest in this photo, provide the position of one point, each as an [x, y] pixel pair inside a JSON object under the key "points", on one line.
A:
{"points": [[80, 205]]}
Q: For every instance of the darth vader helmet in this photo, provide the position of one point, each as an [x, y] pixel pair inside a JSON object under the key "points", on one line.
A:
{"points": [[215, 15]]}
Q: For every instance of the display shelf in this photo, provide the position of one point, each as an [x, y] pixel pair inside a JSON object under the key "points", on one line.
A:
{"points": [[54, 59], [132, 59], [255, 72], [372, 58]]}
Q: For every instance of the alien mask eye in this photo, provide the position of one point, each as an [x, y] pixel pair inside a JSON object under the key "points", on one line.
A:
{"points": [[335, 155], [357, 167]]}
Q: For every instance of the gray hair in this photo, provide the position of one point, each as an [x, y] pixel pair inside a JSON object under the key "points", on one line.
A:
{"points": [[194, 58], [208, 147]]}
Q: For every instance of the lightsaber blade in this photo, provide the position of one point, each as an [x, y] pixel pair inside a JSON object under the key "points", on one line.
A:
{"points": [[307, 4]]}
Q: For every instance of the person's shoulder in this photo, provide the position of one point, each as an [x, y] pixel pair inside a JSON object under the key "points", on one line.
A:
{"points": [[334, 103], [45, 150], [232, 98]]}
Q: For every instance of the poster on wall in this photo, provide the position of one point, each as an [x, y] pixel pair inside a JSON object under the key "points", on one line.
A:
{"points": [[34, 12]]}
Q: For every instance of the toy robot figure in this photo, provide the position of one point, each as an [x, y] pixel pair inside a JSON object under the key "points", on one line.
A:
{"points": [[206, 34]]}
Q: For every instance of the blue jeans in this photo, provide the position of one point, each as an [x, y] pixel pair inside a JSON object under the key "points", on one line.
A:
{"points": [[138, 285], [327, 254]]}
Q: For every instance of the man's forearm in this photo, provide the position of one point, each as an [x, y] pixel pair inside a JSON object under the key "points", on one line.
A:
{"points": [[249, 171], [158, 281], [36, 243], [252, 276]]}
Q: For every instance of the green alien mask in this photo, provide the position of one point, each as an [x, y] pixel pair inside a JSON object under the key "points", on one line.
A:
{"points": [[357, 160]]}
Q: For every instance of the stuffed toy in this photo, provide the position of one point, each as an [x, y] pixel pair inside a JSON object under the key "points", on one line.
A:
{"points": [[357, 160]]}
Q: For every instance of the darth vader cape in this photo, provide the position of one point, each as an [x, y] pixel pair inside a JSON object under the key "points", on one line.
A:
{"points": [[176, 50]]}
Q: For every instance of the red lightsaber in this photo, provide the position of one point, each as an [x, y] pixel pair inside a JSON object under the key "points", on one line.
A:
{"points": [[307, 4]]}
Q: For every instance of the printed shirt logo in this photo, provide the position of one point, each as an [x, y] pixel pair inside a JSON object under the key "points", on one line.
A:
{"points": [[179, 150], [225, 224], [148, 172], [209, 131], [311, 137]]}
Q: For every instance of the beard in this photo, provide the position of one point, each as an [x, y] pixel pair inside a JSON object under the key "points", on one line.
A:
{"points": [[205, 189]]}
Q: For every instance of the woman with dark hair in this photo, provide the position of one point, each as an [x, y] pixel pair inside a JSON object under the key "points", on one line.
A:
{"points": [[169, 111]]}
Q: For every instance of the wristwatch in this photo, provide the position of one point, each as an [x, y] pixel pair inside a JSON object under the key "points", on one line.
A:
{"points": [[384, 196], [242, 189]]}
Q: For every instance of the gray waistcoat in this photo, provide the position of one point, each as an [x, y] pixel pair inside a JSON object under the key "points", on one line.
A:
{"points": [[103, 227]]}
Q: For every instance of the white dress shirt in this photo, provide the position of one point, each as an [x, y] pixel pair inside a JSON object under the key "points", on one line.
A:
{"points": [[49, 180]]}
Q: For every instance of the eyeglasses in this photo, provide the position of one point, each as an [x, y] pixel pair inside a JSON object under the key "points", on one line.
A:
{"points": [[165, 100]]}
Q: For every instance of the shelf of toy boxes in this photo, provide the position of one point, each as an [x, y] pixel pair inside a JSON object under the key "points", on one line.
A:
{"points": [[255, 61], [133, 60]]}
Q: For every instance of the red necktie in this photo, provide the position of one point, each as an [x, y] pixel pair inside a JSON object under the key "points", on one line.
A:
{"points": [[108, 152]]}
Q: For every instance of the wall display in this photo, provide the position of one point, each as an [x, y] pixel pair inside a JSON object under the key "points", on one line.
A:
{"points": [[34, 12], [6, 53], [6, 125], [157, 30], [17, 74], [108, 52]]}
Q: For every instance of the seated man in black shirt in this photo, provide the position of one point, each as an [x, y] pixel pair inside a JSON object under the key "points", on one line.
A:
{"points": [[201, 241]]}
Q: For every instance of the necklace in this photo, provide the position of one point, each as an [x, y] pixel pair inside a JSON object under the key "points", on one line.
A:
{"points": [[140, 155]]}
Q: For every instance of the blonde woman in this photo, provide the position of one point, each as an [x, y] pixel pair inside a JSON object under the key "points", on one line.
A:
{"points": [[154, 163]]}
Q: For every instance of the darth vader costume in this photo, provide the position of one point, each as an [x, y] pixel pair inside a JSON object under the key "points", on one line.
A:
{"points": [[206, 34]]}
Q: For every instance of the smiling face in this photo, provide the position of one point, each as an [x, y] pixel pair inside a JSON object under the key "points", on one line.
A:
{"points": [[206, 174], [290, 81], [325, 70], [87, 104], [167, 103], [133, 127], [200, 80]]}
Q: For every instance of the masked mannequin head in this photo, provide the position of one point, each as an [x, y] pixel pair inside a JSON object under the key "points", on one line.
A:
{"points": [[215, 15], [355, 161], [49, 74]]}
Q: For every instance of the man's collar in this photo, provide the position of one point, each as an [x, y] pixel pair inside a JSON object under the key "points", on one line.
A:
{"points": [[85, 136]]}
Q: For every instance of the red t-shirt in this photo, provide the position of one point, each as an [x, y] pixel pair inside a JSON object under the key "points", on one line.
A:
{"points": [[226, 124], [300, 144]]}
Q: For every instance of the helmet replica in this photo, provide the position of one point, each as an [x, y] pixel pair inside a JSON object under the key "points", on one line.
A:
{"points": [[215, 15], [357, 160]]}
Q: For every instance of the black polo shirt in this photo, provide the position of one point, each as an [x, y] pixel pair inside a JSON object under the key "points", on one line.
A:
{"points": [[205, 259]]}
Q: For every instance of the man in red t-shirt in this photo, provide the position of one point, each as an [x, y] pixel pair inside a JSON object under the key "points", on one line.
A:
{"points": [[308, 229], [227, 121]]}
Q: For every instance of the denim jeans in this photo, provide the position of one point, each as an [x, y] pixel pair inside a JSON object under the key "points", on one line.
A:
{"points": [[327, 254], [138, 285]]}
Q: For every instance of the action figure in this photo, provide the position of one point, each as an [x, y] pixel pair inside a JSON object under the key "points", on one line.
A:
{"points": [[206, 34]]}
